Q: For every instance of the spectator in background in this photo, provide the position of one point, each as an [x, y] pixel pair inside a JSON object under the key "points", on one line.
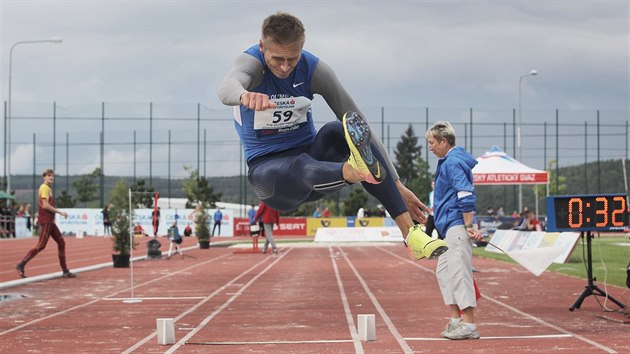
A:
{"points": [[176, 240], [430, 226], [500, 213], [532, 223], [138, 231], [326, 213], [218, 217], [361, 213], [155, 214], [317, 213], [107, 224], [27, 215], [268, 217], [490, 211], [20, 211], [251, 214]]}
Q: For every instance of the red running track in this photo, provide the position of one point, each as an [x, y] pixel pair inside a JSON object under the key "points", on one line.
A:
{"points": [[304, 300]]}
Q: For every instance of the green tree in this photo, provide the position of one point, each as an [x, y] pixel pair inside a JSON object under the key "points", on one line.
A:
{"points": [[120, 217], [202, 229], [558, 188], [86, 186], [358, 198], [411, 167], [65, 200], [421, 186], [407, 153], [198, 190], [142, 196]]}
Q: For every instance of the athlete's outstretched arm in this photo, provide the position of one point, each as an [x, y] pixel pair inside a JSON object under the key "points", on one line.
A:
{"points": [[246, 73]]}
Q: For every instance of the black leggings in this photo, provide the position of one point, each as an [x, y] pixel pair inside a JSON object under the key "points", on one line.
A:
{"points": [[288, 179]]}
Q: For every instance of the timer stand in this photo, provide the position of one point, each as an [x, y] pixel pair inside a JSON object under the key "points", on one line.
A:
{"points": [[591, 288]]}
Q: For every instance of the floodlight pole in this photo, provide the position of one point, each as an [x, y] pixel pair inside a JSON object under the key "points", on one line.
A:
{"points": [[533, 72], [9, 104]]}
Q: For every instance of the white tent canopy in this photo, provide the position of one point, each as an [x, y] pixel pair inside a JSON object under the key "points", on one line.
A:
{"points": [[495, 167], [498, 168]]}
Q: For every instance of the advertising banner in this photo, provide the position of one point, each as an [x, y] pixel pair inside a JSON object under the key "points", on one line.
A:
{"points": [[89, 222], [358, 234], [513, 240], [313, 224]]}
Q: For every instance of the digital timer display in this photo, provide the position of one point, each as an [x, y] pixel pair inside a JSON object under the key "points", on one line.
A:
{"points": [[587, 212]]}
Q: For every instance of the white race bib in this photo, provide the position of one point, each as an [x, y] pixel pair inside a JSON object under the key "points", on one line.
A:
{"points": [[290, 114]]}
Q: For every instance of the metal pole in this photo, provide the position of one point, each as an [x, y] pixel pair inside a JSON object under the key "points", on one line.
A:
{"points": [[134, 156], [9, 106], [67, 163], [169, 168], [585, 156], [151, 144], [557, 150], [54, 137], [471, 132], [35, 192], [102, 174], [4, 180], [382, 122], [520, 123], [198, 138], [599, 174]]}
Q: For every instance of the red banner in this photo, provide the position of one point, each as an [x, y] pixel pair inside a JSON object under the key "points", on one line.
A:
{"points": [[510, 178], [287, 227]]}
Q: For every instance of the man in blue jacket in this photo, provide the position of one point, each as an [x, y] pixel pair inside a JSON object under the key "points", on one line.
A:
{"points": [[218, 216], [454, 198]]}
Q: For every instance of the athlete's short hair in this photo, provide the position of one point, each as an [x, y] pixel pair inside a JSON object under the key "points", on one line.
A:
{"points": [[443, 130], [283, 28], [47, 171]]}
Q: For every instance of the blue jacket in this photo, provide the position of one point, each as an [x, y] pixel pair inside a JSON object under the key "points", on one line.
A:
{"points": [[453, 174]]}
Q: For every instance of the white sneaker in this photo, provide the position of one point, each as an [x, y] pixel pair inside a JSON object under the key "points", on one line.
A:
{"points": [[463, 331], [450, 326]]}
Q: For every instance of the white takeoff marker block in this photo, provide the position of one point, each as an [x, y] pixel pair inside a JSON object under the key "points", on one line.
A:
{"points": [[367, 327], [165, 331]]}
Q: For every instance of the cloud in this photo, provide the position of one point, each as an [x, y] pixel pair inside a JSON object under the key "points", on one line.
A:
{"points": [[400, 55]]}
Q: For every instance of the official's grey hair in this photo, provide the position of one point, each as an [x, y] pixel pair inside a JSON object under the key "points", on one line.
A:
{"points": [[442, 130]]}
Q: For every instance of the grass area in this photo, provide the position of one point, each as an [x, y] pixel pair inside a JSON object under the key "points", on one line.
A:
{"points": [[611, 255]]}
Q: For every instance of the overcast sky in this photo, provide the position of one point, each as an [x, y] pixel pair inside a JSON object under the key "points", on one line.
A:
{"points": [[411, 54]]}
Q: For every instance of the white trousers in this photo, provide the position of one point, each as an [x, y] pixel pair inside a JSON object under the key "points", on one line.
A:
{"points": [[454, 269]]}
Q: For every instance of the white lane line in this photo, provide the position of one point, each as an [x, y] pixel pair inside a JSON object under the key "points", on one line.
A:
{"points": [[156, 298], [316, 341], [524, 314], [540, 336], [557, 328], [399, 338], [358, 347], [197, 305], [53, 275], [225, 304], [97, 300]]}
